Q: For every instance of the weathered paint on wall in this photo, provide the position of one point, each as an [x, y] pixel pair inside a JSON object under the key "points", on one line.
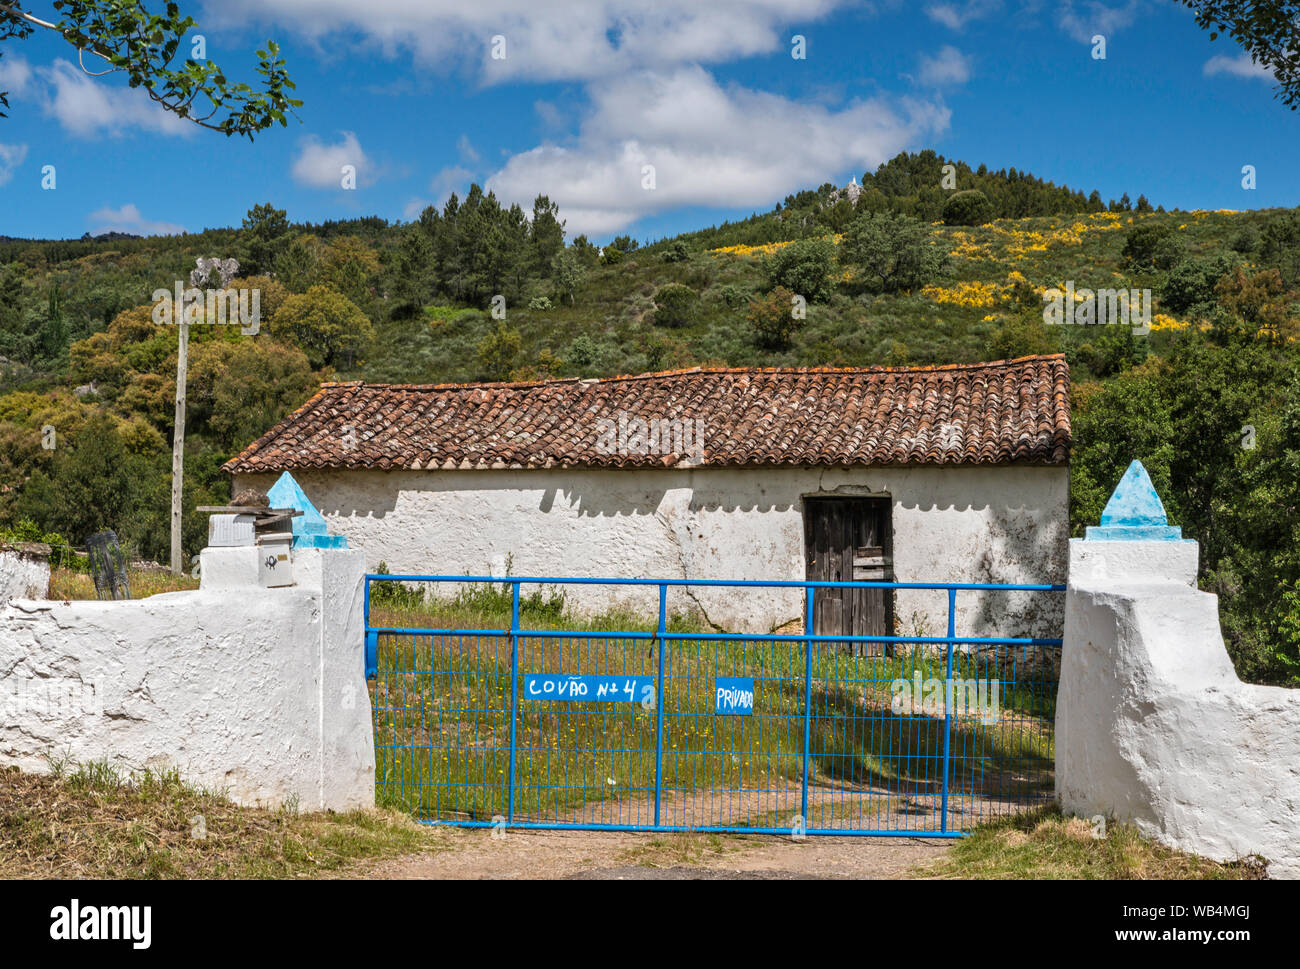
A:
{"points": [[24, 572], [260, 692], [1000, 524], [1152, 725]]}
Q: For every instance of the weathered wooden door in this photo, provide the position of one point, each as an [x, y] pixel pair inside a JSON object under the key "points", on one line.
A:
{"points": [[835, 529]]}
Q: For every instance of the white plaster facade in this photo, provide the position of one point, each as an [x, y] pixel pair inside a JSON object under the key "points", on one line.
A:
{"points": [[258, 692], [1005, 524], [1152, 725], [24, 573]]}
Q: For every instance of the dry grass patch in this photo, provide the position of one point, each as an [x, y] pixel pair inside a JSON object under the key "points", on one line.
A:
{"points": [[89, 822], [683, 848], [68, 585], [1043, 844]]}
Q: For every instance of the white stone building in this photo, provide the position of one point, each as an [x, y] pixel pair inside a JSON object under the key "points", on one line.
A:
{"points": [[950, 474]]}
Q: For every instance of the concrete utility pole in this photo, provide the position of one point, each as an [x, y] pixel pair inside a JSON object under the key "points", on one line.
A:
{"points": [[178, 440], [226, 269]]}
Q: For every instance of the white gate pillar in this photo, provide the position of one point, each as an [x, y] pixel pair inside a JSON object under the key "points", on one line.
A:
{"points": [[1152, 725]]}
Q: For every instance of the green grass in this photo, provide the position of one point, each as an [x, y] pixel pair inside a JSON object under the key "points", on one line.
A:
{"points": [[90, 821], [1042, 844], [443, 717]]}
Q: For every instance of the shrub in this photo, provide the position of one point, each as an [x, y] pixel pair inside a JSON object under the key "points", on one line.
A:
{"points": [[498, 351], [466, 318], [1169, 252], [663, 352], [1280, 246], [677, 252], [734, 296], [539, 303], [970, 207], [675, 305], [1022, 335], [892, 251], [394, 595], [26, 530], [1245, 241], [1140, 244], [1192, 282], [772, 318], [1115, 350], [582, 351], [611, 256], [804, 267]]}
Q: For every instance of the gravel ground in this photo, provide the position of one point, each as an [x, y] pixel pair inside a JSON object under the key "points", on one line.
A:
{"points": [[476, 854]]}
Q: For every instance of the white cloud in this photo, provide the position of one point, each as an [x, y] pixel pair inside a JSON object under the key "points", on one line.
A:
{"points": [[949, 66], [1097, 18], [321, 166], [579, 40], [1239, 66], [15, 75], [86, 107], [412, 209], [11, 156], [955, 16], [466, 149], [709, 145], [129, 219], [549, 115], [453, 178]]}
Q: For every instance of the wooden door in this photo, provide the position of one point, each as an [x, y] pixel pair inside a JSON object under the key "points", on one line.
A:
{"points": [[835, 529]]}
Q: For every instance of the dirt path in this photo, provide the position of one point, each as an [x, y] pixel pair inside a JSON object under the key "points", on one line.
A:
{"points": [[476, 854]]}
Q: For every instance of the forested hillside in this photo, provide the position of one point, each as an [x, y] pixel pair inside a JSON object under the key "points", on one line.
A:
{"points": [[898, 269]]}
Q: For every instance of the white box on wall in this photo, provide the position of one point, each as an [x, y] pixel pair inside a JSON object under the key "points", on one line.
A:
{"points": [[275, 561], [226, 531]]}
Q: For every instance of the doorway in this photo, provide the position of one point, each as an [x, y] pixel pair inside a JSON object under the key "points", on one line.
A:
{"points": [[848, 539]]}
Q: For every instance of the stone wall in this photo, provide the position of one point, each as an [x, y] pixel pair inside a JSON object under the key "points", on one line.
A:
{"points": [[258, 692], [24, 571]]}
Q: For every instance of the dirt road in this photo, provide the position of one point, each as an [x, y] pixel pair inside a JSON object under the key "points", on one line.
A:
{"points": [[476, 854]]}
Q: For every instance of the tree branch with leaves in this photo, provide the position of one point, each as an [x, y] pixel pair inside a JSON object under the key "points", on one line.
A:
{"points": [[1268, 30], [125, 37]]}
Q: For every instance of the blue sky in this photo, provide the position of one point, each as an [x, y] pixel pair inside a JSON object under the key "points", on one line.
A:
{"points": [[590, 93]]}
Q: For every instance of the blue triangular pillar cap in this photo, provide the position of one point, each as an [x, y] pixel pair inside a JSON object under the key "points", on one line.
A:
{"points": [[1135, 512], [309, 528]]}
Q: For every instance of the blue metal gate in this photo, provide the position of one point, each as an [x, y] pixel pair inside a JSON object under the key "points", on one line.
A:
{"points": [[617, 723]]}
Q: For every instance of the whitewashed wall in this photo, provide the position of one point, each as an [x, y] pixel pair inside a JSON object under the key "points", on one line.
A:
{"points": [[1004, 524], [260, 692], [1152, 725], [24, 573]]}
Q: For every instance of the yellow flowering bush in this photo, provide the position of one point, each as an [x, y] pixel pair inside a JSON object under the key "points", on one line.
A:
{"points": [[974, 295], [1163, 321], [766, 249]]}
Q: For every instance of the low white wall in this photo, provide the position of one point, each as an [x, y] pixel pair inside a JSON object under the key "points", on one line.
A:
{"points": [[1152, 724], [1002, 524], [259, 692], [24, 572]]}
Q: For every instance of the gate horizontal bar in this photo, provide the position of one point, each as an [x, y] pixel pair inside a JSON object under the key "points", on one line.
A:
{"points": [[742, 583], [559, 826], [715, 637]]}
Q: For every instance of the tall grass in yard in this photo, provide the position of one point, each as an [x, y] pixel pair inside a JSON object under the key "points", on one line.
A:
{"points": [[71, 585]]}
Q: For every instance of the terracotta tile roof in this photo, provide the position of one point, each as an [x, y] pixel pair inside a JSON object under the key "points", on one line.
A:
{"points": [[968, 414]]}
